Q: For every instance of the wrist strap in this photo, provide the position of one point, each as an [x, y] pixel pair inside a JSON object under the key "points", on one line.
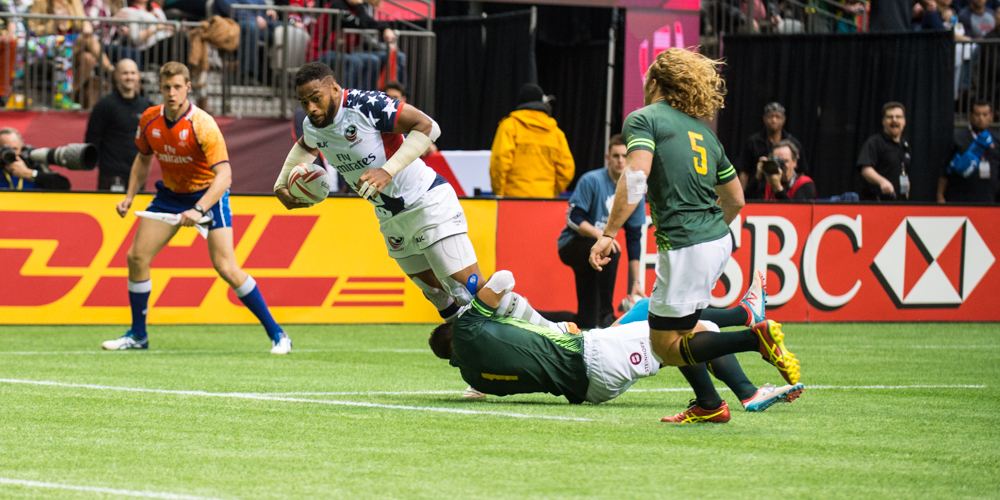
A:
{"points": [[607, 236]]}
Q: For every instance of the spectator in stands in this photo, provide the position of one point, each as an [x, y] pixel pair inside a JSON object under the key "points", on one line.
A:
{"points": [[87, 59], [972, 175], [357, 60], [890, 16], [531, 158], [19, 175], [759, 145], [977, 19], [786, 183], [929, 15], [112, 125], [152, 40], [255, 26], [43, 27], [588, 212], [885, 158], [397, 91], [389, 55]]}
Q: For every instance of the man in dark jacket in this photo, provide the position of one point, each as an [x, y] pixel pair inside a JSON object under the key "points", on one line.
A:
{"points": [[111, 128]]}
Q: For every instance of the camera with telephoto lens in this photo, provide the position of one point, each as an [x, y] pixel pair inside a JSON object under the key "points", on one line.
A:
{"points": [[71, 156], [773, 165], [81, 156]]}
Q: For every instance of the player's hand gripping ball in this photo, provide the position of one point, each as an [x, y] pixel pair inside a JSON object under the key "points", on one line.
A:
{"points": [[309, 182]]}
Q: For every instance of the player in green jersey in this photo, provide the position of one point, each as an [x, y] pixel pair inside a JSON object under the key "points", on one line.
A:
{"points": [[686, 168], [501, 355]]}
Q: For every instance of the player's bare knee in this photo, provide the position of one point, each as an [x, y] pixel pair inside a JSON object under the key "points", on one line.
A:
{"points": [[136, 260]]}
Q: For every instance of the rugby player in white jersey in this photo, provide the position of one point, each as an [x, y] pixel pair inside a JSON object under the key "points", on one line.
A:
{"points": [[375, 142]]}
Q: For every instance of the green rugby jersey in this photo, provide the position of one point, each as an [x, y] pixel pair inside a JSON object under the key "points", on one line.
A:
{"points": [[504, 356], [688, 162]]}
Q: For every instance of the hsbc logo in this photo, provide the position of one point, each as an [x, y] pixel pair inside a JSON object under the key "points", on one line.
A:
{"points": [[932, 262]]}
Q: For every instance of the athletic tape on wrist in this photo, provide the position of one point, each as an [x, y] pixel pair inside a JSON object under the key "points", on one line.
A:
{"points": [[412, 147], [297, 155], [501, 281], [635, 185]]}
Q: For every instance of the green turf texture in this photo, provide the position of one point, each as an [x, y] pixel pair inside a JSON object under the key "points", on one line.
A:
{"points": [[831, 443]]}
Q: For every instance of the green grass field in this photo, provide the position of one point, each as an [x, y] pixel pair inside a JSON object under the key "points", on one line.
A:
{"points": [[368, 411]]}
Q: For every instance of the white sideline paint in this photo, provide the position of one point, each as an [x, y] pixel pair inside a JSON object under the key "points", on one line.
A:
{"points": [[427, 351], [107, 491], [263, 397], [145, 351], [663, 389]]}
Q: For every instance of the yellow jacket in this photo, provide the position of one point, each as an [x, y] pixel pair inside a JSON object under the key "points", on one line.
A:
{"points": [[531, 158]]}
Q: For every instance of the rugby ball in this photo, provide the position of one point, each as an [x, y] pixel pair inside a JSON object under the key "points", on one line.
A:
{"points": [[309, 182]]}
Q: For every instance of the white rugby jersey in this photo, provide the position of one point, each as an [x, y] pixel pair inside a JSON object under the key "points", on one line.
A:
{"points": [[361, 138]]}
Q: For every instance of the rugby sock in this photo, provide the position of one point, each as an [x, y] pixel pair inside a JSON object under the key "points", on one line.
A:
{"points": [[513, 305], [443, 302], [706, 346], [704, 391], [250, 295], [138, 300], [734, 316], [728, 370]]}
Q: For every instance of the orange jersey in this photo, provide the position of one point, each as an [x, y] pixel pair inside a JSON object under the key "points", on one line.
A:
{"points": [[187, 150]]}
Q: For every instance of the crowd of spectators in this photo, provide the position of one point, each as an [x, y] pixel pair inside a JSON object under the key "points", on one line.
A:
{"points": [[74, 60]]}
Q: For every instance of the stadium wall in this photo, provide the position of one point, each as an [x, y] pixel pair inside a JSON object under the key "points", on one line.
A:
{"points": [[64, 260]]}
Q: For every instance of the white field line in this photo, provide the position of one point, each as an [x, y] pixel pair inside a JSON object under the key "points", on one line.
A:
{"points": [[106, 491], [202, 351], [264, 397], [663, 389], [427, 351], [791, 346]]}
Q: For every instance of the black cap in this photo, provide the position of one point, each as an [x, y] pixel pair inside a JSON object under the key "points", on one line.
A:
{"points": [[531, 92]]}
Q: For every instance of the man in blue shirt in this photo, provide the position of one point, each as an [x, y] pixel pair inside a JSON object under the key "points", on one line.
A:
{"points": [[585, 220]]}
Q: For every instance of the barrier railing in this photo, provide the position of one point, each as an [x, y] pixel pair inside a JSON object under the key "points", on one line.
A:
{"points": [[977, 76], [72, 70], [257, 79], [720, 17]]}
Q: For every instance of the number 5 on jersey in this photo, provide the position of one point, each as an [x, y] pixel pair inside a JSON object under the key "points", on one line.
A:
{"points": [[703, 169]]}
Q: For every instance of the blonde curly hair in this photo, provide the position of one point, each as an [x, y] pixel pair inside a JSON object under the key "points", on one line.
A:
{"points": [[689, 81]]}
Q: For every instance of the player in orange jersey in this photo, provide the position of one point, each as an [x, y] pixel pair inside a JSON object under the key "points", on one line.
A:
{"points": [[196, 178]]}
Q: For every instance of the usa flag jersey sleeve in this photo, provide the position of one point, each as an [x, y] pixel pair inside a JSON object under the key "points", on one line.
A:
{"points": [[381, 110]]}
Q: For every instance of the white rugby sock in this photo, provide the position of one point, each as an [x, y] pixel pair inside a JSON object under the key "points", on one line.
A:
{"points": [[513, 305]]}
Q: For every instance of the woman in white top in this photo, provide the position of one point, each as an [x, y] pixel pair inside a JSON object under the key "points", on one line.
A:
{"points": [[145, 36]]}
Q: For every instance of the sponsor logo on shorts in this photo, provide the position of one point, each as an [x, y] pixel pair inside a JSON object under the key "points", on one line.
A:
{"points": [[644, 356], [421, 239], [351, 133], [635, 358], [395, 243]]}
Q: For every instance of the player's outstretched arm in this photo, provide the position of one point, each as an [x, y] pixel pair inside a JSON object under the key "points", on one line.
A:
{"points": [[137, 179], [300, 153], [421, 131]]}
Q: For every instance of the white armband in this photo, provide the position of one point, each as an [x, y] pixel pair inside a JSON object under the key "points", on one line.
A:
{"points": [[635, 185], [416, 144], [297, 155]]}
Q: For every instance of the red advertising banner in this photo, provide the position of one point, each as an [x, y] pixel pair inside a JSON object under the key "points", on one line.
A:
{"points": [[823, 262]]}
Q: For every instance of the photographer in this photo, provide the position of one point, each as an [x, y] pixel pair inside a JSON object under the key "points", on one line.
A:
{"points": [[782, 180], [19, 174]]}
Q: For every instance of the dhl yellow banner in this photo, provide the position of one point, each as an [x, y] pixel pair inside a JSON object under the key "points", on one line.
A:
{"points": [[64, 263]]}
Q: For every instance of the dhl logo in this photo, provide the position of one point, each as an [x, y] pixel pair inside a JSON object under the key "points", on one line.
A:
{"points": [[60, 249]]}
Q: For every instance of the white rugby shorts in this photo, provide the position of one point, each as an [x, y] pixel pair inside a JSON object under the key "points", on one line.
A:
{"points": [[685, 277], [616, 358], [430, 234]]}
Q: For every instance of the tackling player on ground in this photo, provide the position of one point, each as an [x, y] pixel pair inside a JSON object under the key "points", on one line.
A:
{"points": [[361, 135], [501, 355], [686, 168], [196, 178]]}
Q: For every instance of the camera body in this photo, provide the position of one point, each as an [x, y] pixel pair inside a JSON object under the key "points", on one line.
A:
{"points": [[773, 165]]}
